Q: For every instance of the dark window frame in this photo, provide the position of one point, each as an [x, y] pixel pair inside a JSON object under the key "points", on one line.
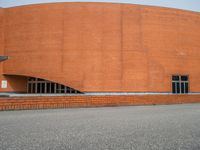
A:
{"points": [[180, 85], [41, 86]]}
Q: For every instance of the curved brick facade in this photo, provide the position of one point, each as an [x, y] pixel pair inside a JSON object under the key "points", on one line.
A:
{"points": [[98, 47]]}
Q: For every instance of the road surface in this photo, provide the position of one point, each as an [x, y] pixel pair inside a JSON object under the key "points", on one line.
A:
{"points": [[164, 127]]}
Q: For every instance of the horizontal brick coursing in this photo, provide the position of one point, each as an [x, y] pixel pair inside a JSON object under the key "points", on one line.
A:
{"points": [[100, 47], [20, 103]]}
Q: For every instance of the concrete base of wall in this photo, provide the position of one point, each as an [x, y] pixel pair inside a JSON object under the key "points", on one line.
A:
{"points": [[20, 103]]}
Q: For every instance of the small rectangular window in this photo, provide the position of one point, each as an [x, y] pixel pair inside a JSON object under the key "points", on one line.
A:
{"points": [[180, 84]]}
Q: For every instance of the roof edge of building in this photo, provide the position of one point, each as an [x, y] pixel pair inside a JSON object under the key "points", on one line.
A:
{"points": [[114, 3]]}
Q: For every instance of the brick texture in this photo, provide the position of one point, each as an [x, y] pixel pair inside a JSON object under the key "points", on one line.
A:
{"points": [[20, 103], [97, 47]]}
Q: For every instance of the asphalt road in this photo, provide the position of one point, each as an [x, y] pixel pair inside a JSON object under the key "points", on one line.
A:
{"points": [[171, 127]]}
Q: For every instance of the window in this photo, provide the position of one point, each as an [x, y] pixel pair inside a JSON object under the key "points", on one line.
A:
{"points": [[180, 84], [37, 85]]}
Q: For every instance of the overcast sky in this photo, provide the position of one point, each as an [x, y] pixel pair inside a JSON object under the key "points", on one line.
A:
{"points": [[193, 5]]}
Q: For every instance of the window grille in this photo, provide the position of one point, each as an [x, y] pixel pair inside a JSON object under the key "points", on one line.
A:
{"points": [[180, 84], [39, 86]]}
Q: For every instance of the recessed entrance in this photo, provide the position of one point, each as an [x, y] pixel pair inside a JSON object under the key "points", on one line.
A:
{"points": [[37, 85]]}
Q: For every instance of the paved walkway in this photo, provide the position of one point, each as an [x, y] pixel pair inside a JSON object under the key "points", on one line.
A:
{"points": [[171, 127]]}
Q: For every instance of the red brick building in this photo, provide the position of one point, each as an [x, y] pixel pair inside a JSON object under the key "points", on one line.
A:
{"points": [[99, 47]]}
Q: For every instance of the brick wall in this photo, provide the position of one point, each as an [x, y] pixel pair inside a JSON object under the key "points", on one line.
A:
{"points": [[19, 103], [102, 47]]}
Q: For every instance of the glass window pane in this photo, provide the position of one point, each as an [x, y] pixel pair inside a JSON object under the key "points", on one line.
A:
{"points": [[57, 86], [186, 88], [31, 79], [173, 87], [175, 78], [184, 78], [33, 88], [43, 88], [182, 88], [40, 79], [48, 88], [68, 90], [38, 87], [178, 87], [30, 88], [52, 88]]}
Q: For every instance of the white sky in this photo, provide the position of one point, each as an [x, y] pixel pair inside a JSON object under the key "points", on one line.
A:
{"points": [[193, 5]]}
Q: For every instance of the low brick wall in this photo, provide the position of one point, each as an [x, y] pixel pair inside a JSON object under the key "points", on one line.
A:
{"points": [[19, 103]]}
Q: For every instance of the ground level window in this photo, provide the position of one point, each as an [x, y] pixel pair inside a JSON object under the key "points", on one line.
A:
{"points": [[180, 84], [37, 85]]}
